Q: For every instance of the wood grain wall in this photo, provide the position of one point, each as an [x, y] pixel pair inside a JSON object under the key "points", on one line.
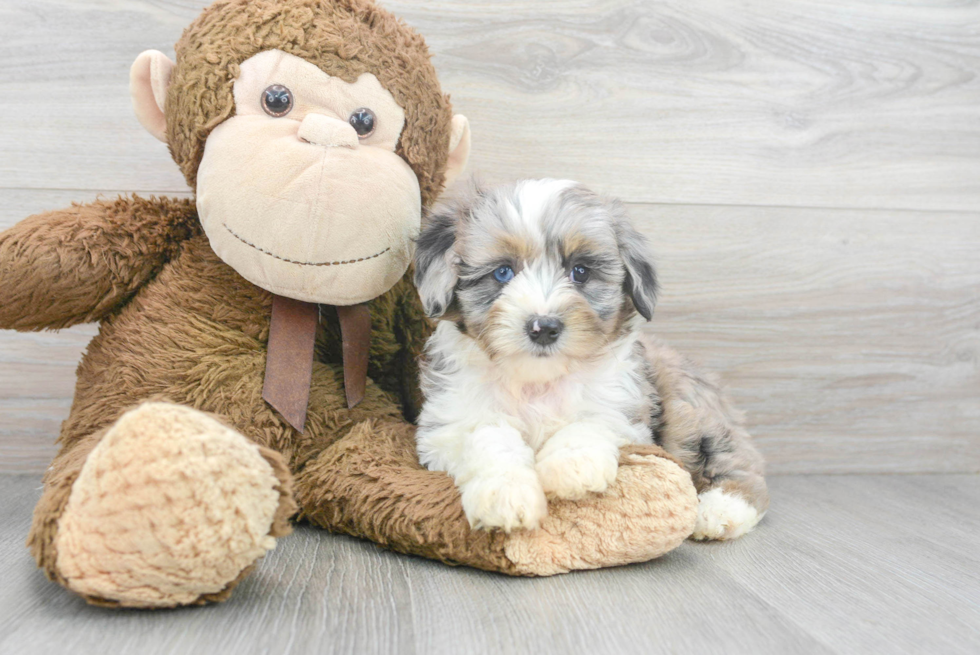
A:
{"points": [[808, 172]]}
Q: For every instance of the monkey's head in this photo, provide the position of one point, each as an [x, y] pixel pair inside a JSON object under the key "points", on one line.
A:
{"points": [[313, 132]]}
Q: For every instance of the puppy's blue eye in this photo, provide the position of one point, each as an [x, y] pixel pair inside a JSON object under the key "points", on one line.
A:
{"points": [[504, 274], [579, 274]]}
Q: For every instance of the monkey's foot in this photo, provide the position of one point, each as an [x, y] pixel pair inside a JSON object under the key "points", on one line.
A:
{"points": [[170, 508]]}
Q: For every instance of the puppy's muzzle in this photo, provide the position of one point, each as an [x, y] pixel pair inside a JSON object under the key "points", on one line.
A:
{"points": [[544, 330]]}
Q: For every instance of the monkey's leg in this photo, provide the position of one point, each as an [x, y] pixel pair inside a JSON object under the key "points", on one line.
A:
{"points": [[166, 507], [369, 484], [702, 429]]}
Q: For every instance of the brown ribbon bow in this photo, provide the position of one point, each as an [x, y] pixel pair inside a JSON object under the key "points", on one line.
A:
{"points": [[289, 362]]}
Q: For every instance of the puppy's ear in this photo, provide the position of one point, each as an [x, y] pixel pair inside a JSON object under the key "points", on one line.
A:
{"points": [[435, 265], [641, 278]]}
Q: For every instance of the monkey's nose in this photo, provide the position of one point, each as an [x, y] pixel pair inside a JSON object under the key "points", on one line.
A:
{"points": [[544, 330], [328, 132]]}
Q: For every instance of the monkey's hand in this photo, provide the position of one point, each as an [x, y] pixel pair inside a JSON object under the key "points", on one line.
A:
{"points": [[370, 484], [82, 263]]}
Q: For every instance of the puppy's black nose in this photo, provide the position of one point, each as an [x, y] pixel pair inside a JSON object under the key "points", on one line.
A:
{"points": [[544, 330]]}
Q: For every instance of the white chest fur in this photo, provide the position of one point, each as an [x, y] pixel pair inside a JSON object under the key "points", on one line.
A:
{"points": [[466, 391]]}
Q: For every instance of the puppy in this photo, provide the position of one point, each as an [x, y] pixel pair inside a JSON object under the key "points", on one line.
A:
{"points": [[538, 373]]}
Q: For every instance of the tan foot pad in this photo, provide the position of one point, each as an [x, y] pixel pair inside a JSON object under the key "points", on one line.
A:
{"points": [[170, 505], [649, 510]]}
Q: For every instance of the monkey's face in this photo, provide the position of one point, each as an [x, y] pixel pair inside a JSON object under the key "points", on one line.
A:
{"points": [[301, 191]]}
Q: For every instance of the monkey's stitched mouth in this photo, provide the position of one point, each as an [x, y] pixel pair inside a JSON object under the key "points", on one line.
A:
{"points": [[293, 261]]}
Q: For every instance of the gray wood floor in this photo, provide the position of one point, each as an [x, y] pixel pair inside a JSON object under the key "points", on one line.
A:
{"points": [[842, 564]]}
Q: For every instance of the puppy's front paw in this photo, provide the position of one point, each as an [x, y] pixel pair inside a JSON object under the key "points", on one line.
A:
{"points": [[509, 500], [573, 474], [723, 516]]}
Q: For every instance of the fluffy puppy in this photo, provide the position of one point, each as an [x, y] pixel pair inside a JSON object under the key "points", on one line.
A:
{"points": [[539, 373]]}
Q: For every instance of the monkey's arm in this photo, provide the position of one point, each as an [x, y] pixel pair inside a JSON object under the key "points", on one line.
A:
{"points": [[80, 264]]}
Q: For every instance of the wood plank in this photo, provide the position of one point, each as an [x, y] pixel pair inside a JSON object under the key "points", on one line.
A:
{"points": [[851, 338], [832, 103], [839, 566], [802, 103], [30, 427], [72, 60], [851, 549]]}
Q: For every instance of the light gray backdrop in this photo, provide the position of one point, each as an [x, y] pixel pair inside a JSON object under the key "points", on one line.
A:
{"points": [[808, 173]]}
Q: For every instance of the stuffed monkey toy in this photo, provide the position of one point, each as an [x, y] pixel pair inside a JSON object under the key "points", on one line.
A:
{"points": [[257, 348]]}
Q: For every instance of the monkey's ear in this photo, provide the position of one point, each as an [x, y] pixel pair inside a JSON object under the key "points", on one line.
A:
{"points": [[641, 278], [435, 264], [459, 148], [148, 80]]}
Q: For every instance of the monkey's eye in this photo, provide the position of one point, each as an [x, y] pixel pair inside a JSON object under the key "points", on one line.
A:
{"points": [[363, 121], [504, 274], [579, 274], [277, 100]]}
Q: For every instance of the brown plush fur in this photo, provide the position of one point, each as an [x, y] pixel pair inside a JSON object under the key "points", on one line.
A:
{"points": [[87, 261], [179, 325], [408, 509]]}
